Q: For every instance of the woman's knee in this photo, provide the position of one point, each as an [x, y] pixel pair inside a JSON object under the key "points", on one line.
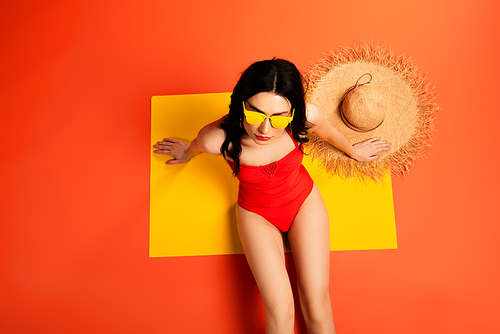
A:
{"points": [[281, 316], [317, 308]]}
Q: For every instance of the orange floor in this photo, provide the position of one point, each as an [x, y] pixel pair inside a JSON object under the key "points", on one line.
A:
{"points": [[77, 78]]}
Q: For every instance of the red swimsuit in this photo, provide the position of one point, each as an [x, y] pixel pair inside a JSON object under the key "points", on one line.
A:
{"points": [[275, 191]]}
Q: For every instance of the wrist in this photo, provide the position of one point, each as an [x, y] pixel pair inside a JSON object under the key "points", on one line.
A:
{"points": [[352, 153], [191, 152]]}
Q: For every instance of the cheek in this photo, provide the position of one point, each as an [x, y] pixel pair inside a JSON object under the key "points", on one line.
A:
{"points": [[278, 132], [249, 128]]}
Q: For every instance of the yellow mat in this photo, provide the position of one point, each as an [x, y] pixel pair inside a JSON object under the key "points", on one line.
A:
{"points": [[192, 206]]}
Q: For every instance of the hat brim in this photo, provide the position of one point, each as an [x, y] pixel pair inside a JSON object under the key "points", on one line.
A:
{"points": [[410, 109]]}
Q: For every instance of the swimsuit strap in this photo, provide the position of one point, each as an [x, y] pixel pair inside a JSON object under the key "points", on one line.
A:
{"points": [[293, 139]]}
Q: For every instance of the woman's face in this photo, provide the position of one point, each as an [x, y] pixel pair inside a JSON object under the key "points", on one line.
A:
{"points": [[269, 104]]}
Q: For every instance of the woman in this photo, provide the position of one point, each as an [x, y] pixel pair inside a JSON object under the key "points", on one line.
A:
{"points": [[261, 140]]}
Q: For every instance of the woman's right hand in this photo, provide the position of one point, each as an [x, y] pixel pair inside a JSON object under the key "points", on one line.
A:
{"points": [[177, 149]]}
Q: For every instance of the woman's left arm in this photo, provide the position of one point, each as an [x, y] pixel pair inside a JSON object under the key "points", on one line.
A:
{"points": [[364, 151]]}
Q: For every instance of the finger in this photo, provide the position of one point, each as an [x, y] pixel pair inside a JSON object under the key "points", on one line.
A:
{"points": [[382, 144], [165, 146], [372, 158], [166, 152], [168, 140], [172, 162], [382, 147], [163, 142]]}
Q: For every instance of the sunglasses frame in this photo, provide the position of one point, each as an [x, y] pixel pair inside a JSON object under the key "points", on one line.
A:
{"points": [[250, 112]]}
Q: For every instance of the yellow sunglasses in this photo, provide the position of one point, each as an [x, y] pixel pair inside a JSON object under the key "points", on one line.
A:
{"points": [[257, 118]]}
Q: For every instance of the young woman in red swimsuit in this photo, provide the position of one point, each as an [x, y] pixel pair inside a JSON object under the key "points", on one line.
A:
{"points": [[261, 140]]}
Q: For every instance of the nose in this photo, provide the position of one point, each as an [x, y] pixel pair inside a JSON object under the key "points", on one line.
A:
{"points": [[265, 126]]}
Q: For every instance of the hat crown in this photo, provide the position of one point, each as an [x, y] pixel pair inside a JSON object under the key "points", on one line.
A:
{"points": [[362, 108]]}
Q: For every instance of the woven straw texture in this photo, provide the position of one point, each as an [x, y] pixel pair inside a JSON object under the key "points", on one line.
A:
{"points": [[397, 91]]}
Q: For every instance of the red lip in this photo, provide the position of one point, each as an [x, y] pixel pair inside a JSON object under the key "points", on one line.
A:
{"points": [[262, 138]]}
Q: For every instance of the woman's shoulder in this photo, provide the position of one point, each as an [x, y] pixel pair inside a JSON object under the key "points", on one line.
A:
{"points": [[211, 137], [313, 113]]}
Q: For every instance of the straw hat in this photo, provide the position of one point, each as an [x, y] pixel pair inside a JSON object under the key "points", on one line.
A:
{"points": [[367, 92]]}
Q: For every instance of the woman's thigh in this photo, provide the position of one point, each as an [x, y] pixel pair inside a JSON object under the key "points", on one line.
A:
{"points": [[309, 238], [263, 246]]}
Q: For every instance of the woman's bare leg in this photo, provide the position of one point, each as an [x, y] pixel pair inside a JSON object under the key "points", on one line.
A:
{"points": [[263, 246], [309, 238]]}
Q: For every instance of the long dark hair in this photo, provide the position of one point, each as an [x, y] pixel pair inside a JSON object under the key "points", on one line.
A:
{"points": [[277, 76]]}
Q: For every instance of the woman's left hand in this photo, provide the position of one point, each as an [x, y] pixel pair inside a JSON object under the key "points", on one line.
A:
{"points": [[367, 150]]}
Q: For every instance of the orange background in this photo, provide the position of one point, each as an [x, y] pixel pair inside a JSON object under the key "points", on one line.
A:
{"points": [[77, 77]]}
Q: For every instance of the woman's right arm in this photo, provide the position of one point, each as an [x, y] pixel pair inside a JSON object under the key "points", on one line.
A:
{"points": [[209, 140]]}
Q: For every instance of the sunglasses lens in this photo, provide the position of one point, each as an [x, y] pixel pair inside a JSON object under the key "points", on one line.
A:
{"points": [[279, 122], [254, 118]]}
